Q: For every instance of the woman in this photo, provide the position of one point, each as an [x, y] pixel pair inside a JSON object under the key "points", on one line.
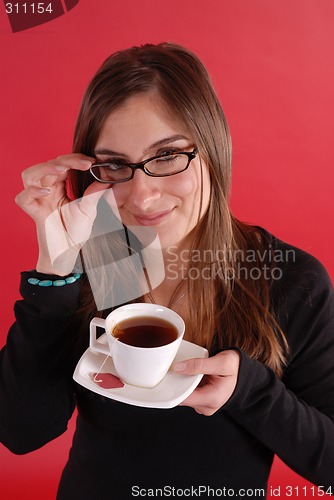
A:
{"points": [[263, 308]]}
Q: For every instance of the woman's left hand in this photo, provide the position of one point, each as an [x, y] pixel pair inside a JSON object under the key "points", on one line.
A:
{"points": [[218, 384]]}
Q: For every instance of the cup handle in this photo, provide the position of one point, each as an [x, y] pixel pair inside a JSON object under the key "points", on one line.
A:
{"points": [[94, 342]]}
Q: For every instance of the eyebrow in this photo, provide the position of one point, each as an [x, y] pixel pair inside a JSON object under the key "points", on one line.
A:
{"points": [[155, 145]]}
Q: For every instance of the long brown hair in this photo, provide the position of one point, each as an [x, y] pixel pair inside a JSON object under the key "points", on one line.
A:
{"points": [[230, 309]]}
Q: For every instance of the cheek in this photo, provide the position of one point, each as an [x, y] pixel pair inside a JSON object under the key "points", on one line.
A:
{"points": [[184, 186], [179, 186], [118, 195], [114, 199]]}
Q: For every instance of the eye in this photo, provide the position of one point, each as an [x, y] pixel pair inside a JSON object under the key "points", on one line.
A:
{"points": [[113, 166], [168, 163], [170, 157], [111, 171], [168, 152], [167, 155]]}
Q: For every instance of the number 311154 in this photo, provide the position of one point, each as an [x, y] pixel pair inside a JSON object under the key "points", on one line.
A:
{"points": [[29, 8]]}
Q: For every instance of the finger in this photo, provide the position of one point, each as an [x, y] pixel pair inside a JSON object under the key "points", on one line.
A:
{"points": [[75, 157], [46, 174], [223, 364], [192, 366], [199, 398], [74, 161], [43, 175], [30, 194], [195, 366], [31, 201]]}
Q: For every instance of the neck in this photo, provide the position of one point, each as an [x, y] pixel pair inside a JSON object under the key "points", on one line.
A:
{"points": [[171, 268]]}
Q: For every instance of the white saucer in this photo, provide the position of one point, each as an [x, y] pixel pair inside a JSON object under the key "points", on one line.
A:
{"points": [[170, 392]]}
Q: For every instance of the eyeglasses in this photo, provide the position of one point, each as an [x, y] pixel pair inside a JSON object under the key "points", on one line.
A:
{"points": [[112, 172]]}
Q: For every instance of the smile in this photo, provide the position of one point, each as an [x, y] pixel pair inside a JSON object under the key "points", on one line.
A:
{"points": [[151, 219]]}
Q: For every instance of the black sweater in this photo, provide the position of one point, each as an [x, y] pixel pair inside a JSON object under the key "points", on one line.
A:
{"points": [[119, 449]]}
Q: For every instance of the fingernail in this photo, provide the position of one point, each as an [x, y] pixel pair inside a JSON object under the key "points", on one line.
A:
{"points": [[61, 169], [180, 367], [45, 190], [86, 163]]}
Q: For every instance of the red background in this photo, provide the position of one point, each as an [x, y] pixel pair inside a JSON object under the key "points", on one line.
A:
{"points": [[272, 62]]}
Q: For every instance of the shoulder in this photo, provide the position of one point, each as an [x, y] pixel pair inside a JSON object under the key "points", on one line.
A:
{"points": [[302, 296], [295, 269]]}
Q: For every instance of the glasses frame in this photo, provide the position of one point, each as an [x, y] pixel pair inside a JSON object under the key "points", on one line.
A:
{"points": [[141, 166]]}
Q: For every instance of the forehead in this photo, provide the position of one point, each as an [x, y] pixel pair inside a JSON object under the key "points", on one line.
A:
{"points": [[142, 118]]}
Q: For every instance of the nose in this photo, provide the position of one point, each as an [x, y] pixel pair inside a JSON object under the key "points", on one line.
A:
{"points": [[144, 190]]}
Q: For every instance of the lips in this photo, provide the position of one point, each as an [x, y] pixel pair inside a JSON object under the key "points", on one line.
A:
{"points": [[151, 219]]}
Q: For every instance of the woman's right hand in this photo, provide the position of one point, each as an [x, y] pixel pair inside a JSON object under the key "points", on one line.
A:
{"points": [[62, 225]]}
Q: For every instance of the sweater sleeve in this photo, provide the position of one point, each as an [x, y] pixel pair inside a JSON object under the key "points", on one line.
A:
{"points": [[294, 416], [36, 400]]}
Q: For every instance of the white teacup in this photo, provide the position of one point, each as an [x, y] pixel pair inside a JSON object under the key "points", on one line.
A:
{"points": [[138, 365]]}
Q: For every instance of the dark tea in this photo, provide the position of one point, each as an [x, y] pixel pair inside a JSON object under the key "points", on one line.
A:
{"points": [[146, 331]]}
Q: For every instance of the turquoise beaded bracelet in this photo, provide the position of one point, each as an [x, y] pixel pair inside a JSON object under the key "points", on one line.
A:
{"points": [[58, 282]]}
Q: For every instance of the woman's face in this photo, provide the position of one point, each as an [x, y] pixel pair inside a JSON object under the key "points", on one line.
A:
{"points": [[139, 129]]}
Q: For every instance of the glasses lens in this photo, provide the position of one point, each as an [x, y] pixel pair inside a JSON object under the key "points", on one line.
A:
{"points": [[111, 172], [168, 165]]}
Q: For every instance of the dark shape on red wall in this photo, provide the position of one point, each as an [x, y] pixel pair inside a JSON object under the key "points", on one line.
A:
{"points": [[24, 15], [70, 4]]}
